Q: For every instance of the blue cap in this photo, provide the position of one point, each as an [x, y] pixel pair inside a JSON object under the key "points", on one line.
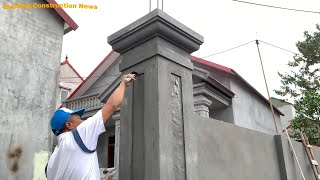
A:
{"points": [[61, 116]]}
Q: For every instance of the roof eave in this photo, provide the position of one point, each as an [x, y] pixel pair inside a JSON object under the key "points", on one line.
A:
{"points": [[69, 21]]}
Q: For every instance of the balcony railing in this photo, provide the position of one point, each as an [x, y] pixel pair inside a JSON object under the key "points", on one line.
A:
{"points": [[89, 102]]}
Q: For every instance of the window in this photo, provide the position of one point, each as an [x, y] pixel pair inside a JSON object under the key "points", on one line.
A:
{"points": [[111, 151], [64, 95]]}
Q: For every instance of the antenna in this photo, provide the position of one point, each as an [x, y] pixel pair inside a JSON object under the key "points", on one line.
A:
{"points": [[150, 2], [162, 5]]}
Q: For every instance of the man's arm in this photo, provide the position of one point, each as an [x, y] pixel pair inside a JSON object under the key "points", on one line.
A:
{"points": [[116, 98]]}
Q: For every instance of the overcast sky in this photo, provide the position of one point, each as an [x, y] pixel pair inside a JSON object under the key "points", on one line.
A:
{"points": [[223, 23]]}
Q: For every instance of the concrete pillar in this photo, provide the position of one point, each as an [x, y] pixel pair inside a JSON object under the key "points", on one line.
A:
{"points": [[201, 105], [157, 139], [116, 117]]}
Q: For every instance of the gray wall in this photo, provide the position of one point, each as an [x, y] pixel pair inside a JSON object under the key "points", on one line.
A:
{"points": [[289, 113], [250, 111], [30, 50], [226, 151]]}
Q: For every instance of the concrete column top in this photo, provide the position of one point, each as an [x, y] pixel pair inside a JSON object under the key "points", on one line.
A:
{"points": [[156, 23]]}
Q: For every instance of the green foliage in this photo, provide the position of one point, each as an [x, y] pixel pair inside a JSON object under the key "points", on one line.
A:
{"points": [[303, 85], [307, 117]]}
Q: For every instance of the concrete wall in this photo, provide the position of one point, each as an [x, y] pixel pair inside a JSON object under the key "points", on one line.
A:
{"points": [[30, 49], [250, 111], [289, 113], [226, 151]]}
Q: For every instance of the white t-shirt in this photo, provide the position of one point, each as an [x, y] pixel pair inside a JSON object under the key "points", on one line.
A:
{"points": [[68, 161]]}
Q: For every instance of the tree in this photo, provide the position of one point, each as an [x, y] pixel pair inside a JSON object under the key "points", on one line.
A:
{"points": [[302, 84]]}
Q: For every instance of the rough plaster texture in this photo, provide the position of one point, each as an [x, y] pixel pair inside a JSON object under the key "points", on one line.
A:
{"points": [[250, 111], [229, 152], [30, 49]]}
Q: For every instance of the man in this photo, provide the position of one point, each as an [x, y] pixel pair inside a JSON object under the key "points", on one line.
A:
{"points": [[70, 161]]}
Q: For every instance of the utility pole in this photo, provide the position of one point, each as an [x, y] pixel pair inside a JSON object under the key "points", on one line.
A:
{"points": [[264, 76]]}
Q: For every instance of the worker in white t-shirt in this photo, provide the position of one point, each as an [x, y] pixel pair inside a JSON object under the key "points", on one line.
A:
{"points": [[75, 158]]}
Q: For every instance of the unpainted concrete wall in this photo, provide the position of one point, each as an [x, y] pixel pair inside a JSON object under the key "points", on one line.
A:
{"points": [[289, 113], [30, 50], [226, 151], [250, 111]]}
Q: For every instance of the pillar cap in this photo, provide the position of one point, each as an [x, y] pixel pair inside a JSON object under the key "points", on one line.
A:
{"points": [[156, 23]]}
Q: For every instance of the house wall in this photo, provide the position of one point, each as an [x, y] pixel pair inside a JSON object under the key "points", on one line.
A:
{"points": [[68, 80], [225, 114], [30, 50], [66, 72], [226, 151], [250, 111], [289, 113]]}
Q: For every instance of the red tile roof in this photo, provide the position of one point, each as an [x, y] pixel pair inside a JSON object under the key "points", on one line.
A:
{"points": [[214, 65], [64, 16]]}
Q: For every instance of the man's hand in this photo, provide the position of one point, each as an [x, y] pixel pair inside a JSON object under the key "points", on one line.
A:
{"points": [[128, 79], [117, 96]]}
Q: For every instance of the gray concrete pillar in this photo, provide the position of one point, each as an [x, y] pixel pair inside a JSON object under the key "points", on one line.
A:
{"points": [[201, 105], [116, 117], [157, 139]]}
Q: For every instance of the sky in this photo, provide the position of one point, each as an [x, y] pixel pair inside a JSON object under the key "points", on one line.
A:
{"points": [[224, 24]]}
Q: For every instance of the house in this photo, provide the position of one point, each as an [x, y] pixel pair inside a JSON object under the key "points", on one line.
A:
{"points": [[219, 93], [30, 53], [287, 109], [69, 80]]}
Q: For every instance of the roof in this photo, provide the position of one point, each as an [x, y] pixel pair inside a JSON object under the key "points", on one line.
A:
{"points": [[211, 64], [199, 60], [64, 16], [91, 75], [279, 102], [67, 62], [233, 72]]}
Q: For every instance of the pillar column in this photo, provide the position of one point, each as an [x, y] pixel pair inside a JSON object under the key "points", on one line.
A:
{"points": [[116, 117], [157, 139], [201, 105]]}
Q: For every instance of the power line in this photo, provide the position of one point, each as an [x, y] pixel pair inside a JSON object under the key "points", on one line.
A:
{"points": [[284, 49], [300, 10], [229, 49], [279, 47]]}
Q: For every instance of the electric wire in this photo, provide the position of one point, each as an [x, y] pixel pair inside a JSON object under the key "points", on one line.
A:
{"points": [[228, 49], [278, 7], [221, 52]]}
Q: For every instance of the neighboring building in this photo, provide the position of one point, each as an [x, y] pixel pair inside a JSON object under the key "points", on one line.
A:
{"points": [[219, 92], [69, 80], [30, 54], [287, 109]]}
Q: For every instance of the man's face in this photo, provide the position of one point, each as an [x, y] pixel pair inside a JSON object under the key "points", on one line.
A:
{"points": [[73, 122]]}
